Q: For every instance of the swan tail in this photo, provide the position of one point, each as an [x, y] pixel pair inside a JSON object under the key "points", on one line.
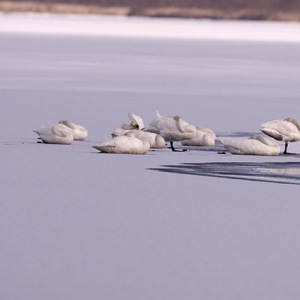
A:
{"points": [[105, 148], [37, 132], [158, 115]]}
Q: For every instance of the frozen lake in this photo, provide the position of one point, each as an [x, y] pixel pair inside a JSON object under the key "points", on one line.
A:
{"points": [[77, 224]]}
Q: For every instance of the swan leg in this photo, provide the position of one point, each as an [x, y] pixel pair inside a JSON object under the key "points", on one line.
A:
{"points": [[173, 149], [285, 148], [172, 146]]}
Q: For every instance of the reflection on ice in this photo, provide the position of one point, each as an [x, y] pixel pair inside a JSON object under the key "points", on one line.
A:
{"points": [[290, 171], [259, 171]]}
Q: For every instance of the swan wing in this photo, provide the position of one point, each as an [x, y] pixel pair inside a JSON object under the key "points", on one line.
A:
{"points": [[206, 130], [202, 138], [272, 133], [155, 140], [119, 131], [162, 125], [233, 146]]}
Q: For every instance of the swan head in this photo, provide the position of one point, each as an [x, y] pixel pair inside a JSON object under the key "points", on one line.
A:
{"points": [[159, 142], [253, 137], [128, 134]]}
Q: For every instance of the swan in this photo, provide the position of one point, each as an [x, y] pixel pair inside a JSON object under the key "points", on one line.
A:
{"points": [[287, 130], [255, 145], [155, 140], [172, 129], [79, 132], [136, 123], [56, 134], [204, 137], [124, 144]]}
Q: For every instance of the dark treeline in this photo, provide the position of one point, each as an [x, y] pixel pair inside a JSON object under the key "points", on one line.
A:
{"points": [[283, 5], [277, 10]]}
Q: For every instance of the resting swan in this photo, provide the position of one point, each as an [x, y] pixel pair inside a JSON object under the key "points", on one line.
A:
{"points": [[136, 123], [56, 134], [172, 129], [287, 130], [125, 144], [255, 145], [155, 140], [79, 132], [204, 137]]}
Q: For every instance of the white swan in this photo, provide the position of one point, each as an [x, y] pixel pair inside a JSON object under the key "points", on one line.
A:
{"points": [[136, 123], [155, 140], [125, 144], [172, 129], [255, 145], [79, 132], [204, 137], [287, 130], [56, 134]]}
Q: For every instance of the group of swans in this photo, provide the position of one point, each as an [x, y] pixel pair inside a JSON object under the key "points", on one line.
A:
{"points": [[135, 138], [64, 132], [174, 128], [132, 139], [160, 129], [287, 130]]}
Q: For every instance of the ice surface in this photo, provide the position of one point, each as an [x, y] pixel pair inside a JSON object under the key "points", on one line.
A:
{"points": [[121, 26], [77, 224]]}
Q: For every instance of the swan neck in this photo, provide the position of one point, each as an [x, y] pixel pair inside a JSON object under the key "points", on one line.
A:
{"points": [[179, 124], [61, 133], [295, 122], [68, 123]]}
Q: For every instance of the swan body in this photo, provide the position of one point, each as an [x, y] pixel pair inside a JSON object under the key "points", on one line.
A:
{"points": [[172, 129], [125, 144], [55, 135], [155, 140], [79, 132], [136, 123], [204, 137], [287, 130], [255, 145]]}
